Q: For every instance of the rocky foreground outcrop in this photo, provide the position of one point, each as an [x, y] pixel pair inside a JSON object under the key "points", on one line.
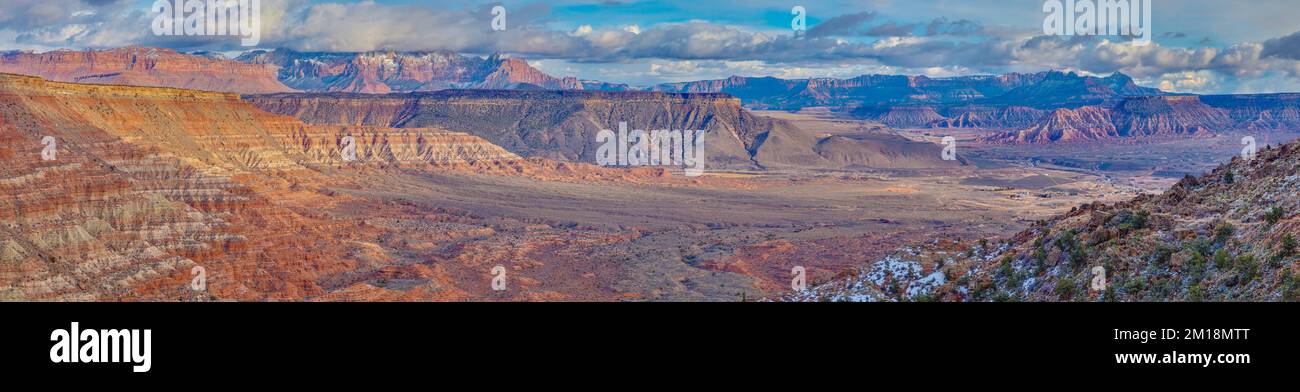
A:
{"points": [[118, 193], [141, 66], [1230, 235]]}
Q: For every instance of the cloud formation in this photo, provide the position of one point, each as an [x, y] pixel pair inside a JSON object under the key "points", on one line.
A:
{"points": [[856, 40]]}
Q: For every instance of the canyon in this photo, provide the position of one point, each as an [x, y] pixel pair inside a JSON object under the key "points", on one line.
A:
{"points": [[463, 164], [153, 187]]}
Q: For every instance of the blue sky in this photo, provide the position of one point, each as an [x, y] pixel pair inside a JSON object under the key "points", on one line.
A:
{"points": [[1202, 46]]}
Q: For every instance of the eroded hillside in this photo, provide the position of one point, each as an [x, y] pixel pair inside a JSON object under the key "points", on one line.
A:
{"points": [[1229, 235], [562, 125], [142, 185]]}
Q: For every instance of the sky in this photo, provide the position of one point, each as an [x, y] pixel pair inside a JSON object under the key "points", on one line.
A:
{"points": [[1198, 46]]}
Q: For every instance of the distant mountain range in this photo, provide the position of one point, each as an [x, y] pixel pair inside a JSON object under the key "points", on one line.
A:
{"points": [[388, 71], [1043, 90], [1043, 107]]}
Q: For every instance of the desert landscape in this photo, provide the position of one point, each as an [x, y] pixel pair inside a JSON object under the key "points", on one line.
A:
{"points": [[386, 172], [425, 214]]}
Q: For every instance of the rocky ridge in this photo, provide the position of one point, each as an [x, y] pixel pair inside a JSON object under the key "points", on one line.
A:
{"points": [[562, 125], [148, 183], [1229, 235], [142, 66]]}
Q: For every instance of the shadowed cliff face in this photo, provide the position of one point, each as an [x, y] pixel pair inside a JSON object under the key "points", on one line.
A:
{"points": [[147, 183], [563, 125]]}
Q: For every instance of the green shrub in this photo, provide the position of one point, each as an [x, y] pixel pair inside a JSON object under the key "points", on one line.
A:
{"points": [[1290, 289], [1134, 285], [1247, 268], [1287, 248], [1223, 260], [1128, 220], [1200, 246], [1196, 265], [1161, 255], [1065, 288], [1078, 256], [1228, 178], [1194, 294], [1040, 260], [1223, 232], [1066, 241], [1274, 215], [1003, 296]]}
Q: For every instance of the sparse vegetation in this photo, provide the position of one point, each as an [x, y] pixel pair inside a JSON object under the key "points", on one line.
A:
{"points": [[1194, 294], [1223, 260], [1040, 259], [1274, 215], [1066, 241], [1196, 268], [1287, 246], [1065, 288], [1127, 220], [1247, 268], [1134, 285], [1200, 247], [1223, 232], [1160, 257]]}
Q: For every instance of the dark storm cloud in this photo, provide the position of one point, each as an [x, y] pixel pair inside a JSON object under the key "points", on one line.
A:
{"points": [[962, 27], [1287, 47], [849, 24]]}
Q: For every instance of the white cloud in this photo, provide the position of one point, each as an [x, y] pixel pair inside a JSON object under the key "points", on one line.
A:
{"points": [[669, 50]]}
